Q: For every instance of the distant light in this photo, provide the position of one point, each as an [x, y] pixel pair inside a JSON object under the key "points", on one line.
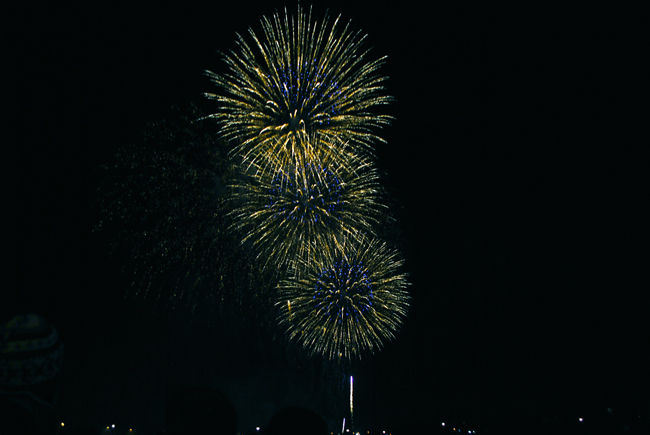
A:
{"points": [[113, 426], [443, 423], [257, 428], [580, 419], [62, 424]]}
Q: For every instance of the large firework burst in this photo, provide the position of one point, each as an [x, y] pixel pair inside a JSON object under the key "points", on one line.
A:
{"points": [[351, 300], [285, 214], [302, 88]]}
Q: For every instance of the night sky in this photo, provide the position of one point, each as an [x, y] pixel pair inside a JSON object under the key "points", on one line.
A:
{"points": [[517, 180]]}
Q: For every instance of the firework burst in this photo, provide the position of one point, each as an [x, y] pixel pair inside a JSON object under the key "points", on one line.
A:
{"points": [[285, 214], [351, 300], [162, 203], [302, 88]]}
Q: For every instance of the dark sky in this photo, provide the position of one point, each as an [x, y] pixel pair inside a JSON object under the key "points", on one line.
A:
{"points": [[518, 180]]}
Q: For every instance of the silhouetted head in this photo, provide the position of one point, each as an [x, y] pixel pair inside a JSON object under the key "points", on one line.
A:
{"points": [[200, 410], [295, 420]]}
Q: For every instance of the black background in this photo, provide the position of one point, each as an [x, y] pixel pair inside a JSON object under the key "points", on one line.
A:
{"points": [[513, 159]]}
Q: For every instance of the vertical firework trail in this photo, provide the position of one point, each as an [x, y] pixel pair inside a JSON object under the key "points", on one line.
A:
{"points": [[351, 404]]}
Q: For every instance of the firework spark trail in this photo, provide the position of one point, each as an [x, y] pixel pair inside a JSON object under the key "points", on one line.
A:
{"points": [[349, 301], [302, 88], [351, 403]]}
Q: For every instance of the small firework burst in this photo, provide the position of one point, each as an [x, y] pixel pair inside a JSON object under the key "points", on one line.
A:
{"points": [[351, 300], [285, 214], [299, 89]]}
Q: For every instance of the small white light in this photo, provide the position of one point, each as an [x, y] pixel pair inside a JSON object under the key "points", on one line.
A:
{"points": [[113, 426], [443, 423], [580, 419], [257, 428]]}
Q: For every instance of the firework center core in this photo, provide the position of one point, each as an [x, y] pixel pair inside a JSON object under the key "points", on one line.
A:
{"points": [[295, 121], [344, 289]]}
